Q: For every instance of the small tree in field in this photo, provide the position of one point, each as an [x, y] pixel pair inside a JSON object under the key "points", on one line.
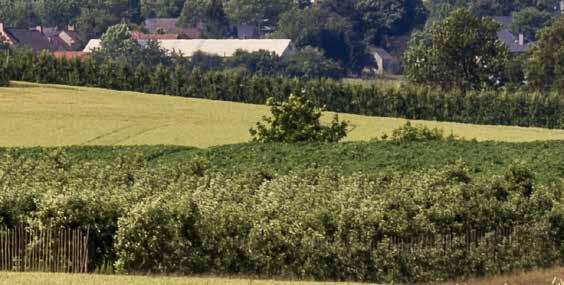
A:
{"points": [[297, 120]]}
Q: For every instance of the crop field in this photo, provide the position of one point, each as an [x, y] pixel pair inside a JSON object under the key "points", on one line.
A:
{"points": [[52, 115]]}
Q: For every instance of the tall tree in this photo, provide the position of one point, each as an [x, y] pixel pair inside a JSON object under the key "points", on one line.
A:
{"points": [[96, 16], [390, 17], [134, 11], [161, 8], [208, 14], [529, 20], [117, 45], [463, 51], [263, 14], [545, 69]]}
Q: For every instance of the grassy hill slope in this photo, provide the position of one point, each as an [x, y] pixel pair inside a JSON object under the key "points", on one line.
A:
{"points": [[51, 115]]}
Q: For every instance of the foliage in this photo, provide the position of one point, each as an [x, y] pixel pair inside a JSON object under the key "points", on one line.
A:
{"points": [[464, 52], [408, 133], [162, 8], [342, 30], [314, 223], [310, 63], [390, 17], [329, 32], [522, 108], [134, 11], [260, 63], [514, 69], [4, 81], [264, 14], [208, 14], [545, 69], [528, 21], [117, 44], [495, 7], [4, 75], [297, 120]]}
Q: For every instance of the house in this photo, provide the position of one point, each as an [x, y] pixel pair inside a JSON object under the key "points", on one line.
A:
{"points": [[63, 40], [219, 47], [169, 26], [514, 43], [385, 63], [40, 38], [69, 36], [33, 38]]}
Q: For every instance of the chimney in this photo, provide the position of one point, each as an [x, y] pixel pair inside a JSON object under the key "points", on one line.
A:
{"points": [[521, 39]]}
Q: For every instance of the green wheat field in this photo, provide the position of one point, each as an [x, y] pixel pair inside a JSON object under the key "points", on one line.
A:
{"points": [[53, 115]]}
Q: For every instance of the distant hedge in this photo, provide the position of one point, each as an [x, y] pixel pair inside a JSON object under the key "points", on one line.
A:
{"points": [[411, 102]]}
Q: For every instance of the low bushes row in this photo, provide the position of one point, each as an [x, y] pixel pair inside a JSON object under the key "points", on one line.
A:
{"points": [[314, 223], [483, 158], [412, 102]]}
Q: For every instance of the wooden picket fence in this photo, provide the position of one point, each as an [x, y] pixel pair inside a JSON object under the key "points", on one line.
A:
{"points": [[26, 249]]}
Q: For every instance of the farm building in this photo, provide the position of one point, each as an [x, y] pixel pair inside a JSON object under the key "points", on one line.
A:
{"points": [[224, 48], [385, 62]]}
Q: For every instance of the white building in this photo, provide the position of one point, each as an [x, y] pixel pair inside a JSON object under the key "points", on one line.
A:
{"points": [[221, 47]]}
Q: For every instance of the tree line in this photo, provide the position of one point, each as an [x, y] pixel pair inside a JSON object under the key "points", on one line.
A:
{"points": [[499, 107]]}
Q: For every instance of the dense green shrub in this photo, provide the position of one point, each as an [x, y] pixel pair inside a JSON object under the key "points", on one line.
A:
{"points": [[297, 120], [483, 158], [4, 76], [409, 133], [411, 102], [311, 223]]}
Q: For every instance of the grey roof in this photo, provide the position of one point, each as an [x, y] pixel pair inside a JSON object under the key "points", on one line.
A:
{"points": [[505, 21], [511, 41], [31, 38], [51, 31], [383, 53]]}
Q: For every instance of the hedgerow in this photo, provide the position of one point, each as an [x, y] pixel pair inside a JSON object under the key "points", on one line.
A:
{"points": [[311, 223], [411, 102]]}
